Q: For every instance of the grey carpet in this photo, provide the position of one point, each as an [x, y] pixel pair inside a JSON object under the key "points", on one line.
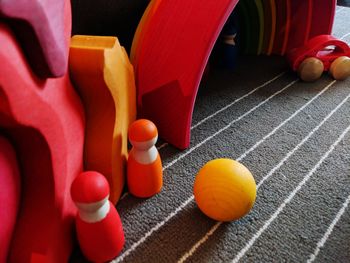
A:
{"points": [[296, 206]]}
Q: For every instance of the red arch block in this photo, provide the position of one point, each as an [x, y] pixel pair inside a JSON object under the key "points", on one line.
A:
{"points": [[44, 119], [300, 23], [170, 51], [323, 12], [283, 14], [10, 188]]}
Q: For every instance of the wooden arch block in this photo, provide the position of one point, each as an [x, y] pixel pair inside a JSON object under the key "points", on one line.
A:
{"points": [[323, 12], [10, 186], [169, 54], [300, 23], [253, 29], [104, 77], [282, 26], [245, 26], [269, 25], [39, 26], [44, 120], [260, 9]]}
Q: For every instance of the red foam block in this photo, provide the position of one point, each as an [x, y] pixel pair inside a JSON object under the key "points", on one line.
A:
{"points": [[10, 184], [44, 120], [39, 26]]}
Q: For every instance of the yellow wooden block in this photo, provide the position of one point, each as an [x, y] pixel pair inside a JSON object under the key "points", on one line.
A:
{"points": [[104, 78]]}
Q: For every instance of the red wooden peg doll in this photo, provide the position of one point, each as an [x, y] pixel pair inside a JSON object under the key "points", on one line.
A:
{"points": [[99, 228], [145, 173]]}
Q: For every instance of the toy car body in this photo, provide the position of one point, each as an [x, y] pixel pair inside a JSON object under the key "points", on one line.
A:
{"points": [[319, 54]]}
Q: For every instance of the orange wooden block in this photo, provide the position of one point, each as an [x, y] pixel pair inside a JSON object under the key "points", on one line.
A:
{"points": [[44, 121], [104, 78]]}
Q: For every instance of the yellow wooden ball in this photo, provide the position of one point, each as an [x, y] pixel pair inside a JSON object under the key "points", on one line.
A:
{"points": [[224, 190]]}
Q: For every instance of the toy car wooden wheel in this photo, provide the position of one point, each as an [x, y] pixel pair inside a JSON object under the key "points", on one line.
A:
{"points": [[310, 69], [340, 68]]}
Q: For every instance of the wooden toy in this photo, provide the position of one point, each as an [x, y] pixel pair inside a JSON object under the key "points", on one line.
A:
{"points": [[145, 174], [253, 45], [225, 51], [108, 18], [167, 71], [10, 193], [224, 190], [244, 26], [44, 121], [322, 17], [340, 68], [141, 29], [283, 15], [269, 26], [321, 53], [300, 23], [99, 228], [229, 48], [310, 69], [105, 81], [40, 28], [260, 9]]}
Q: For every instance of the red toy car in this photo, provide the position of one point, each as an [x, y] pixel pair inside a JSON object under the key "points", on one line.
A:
{"points": [[319, 54]]}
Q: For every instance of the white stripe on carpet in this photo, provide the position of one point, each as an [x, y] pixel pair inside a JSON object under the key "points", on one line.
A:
{"points": [[184, 204], [289, 154], [289, 198], [223, 109], [329, 231], [284, 122], [230, 105], [237, 100], [343, 37], [272, 171], [227, 126]]}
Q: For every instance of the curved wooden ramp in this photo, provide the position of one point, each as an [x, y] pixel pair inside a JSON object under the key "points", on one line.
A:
{"points": [[169, 53]]}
